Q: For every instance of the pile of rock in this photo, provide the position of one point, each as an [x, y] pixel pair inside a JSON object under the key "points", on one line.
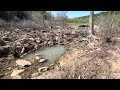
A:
{"points": [[25, 40], [23, 64]]}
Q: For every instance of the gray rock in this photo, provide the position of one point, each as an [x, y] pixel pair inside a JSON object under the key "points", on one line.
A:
{"points": [[7, 39], [5, 51], [2, 43], [17, 51], [28, 47], [32, 39]]}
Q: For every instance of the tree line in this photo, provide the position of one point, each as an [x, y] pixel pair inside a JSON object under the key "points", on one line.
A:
{"points": [[41, 17]]}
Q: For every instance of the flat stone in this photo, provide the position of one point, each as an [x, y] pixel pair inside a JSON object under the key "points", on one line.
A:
{"points": [[51, 65], [16, 72], [31, 39], [42, 69], [34, 75], [36, 54], [23, 62], [36, 58], [16, 77], [17, 29], [9, 68], [42, 60]]}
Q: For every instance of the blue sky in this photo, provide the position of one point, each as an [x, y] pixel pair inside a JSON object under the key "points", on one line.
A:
{"points": [[72, 14]]}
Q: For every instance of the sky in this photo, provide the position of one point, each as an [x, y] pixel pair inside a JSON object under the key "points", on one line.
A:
{"points": [[73, 14]]}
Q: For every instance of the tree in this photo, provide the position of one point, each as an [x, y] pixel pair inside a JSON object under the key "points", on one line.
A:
{"points": [[91, 29], [51, 25], [62, 17], [46, 16], [91, 22], [43, 13], [11, 15]]}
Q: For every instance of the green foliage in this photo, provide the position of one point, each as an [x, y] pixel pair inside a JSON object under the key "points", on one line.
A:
{"points": [[79, 20], [41, 15], [13, 15], [101, 19]]}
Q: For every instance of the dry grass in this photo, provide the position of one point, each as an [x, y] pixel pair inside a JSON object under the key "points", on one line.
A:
{"points": [[20, 24], [75, 65]]}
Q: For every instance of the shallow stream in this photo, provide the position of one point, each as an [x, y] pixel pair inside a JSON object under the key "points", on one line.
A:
{"points": [[51, 54]]}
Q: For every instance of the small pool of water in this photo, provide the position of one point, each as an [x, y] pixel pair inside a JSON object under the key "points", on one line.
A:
{"points": [[51, 54]]}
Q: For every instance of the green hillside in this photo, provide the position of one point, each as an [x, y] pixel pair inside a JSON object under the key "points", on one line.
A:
{"points": [[97, 17]]}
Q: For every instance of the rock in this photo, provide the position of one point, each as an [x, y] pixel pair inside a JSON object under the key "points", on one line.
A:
{"points": [[34, 75], [9, 72], [18, 44], [1, 75], [73, 32], [24, 40], [23, 55], [42, 60], [42, 69], [36, 54], [37, 58], [11, 56], [51, 65], [32, 39], [9, 68], [91, 45], [16, 72], [16, 77], [28, 47], [37, 40], [6, 38], [23, 63], [17, 29], [43, 31], [2, 43], [17, 51], [36, 46], [79, 77], [23, 50], [5, 51]]}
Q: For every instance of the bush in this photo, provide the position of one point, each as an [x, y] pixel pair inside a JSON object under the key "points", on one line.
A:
{"points": [[14, 15]]}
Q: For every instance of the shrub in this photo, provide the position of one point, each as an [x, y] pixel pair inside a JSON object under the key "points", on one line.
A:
{"points": [[12, 15]]}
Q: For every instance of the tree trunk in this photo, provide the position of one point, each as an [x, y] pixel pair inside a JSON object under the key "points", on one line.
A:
{"points": [[91, 22], [51, 25]]}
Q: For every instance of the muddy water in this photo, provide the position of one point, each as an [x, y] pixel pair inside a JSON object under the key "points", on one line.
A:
{"points": [[51, 54]]}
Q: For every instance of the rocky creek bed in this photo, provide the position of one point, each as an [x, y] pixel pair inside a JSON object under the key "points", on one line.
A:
{"points": [[17, 43], [20, 59]]}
